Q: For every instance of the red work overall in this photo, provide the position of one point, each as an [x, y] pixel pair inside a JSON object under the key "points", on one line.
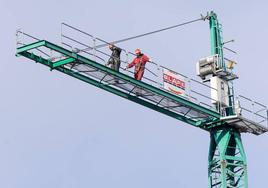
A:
{"points": [[139, 63]]}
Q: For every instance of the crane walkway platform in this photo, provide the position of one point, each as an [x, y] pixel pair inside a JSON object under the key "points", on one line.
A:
{"points": [[244, 125], [90, 71], [120, 84]]}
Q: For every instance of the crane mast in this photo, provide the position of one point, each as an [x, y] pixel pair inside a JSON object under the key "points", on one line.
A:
{"points": [[227, 165]]}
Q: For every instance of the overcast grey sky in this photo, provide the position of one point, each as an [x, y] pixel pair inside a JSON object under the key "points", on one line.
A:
{"points": [[58, 132]]}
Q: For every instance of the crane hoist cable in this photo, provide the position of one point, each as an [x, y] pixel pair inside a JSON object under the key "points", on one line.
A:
{"points": [[146, 34], [106, 43], [156, 31]]}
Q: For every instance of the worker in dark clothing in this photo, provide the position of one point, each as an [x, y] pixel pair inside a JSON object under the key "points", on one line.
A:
{"points": [[114, 59], [139, 63]]}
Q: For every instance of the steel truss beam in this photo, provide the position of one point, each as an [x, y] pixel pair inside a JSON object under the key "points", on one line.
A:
{"points": [[227, 159], [71, 57], [108, 88]]}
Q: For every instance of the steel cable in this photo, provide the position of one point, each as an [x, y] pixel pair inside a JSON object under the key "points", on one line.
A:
{"points": [[144, 34]]}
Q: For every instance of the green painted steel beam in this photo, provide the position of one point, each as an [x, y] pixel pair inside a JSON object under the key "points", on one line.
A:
{"points": [[130, 97], [63, 62], [31, 46], [124, 77], [234, 158], [227, 166], [132, 80], [226, 160], [216, 39], [110, 89]]}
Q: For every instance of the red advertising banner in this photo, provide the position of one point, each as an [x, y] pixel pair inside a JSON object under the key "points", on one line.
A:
{"points": [[174, 82]]}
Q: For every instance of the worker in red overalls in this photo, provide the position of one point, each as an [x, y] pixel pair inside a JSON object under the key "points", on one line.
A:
{"points": [[139, 63]]}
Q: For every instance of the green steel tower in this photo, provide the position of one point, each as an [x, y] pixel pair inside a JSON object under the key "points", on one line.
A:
{"points": [[227, 165]]}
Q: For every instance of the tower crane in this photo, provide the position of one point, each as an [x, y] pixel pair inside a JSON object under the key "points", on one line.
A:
{"points": [[224, 119]]}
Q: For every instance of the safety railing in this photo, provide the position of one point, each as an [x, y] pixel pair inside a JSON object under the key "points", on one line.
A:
{"points": [[97, 49], [23, 38], [253, 110], [249, 109]]}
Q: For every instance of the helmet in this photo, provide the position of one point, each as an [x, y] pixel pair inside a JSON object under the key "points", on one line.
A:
{"points": [[137, 51], [111, 45]]}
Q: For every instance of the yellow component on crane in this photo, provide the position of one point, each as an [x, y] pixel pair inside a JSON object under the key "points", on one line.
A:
{"points": [[231, 64]]}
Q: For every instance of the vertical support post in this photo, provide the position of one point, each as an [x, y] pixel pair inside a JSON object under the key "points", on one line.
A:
{"points": [[127, 61], [189, 88], [217, 48], [253, 111], [267, 117], [227, 166], [94, 48], [17, 38], [159, 75], [61, 33], [216, 39]]}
